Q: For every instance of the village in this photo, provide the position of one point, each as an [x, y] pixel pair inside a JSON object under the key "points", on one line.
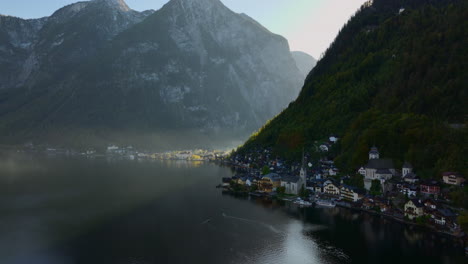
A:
{"points": [[115, 152], [378, 187]]}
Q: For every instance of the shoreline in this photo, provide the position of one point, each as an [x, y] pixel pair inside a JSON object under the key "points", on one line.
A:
{"points": [[462, 239]]}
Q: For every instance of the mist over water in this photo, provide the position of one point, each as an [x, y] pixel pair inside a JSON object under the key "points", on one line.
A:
{"points": [[74, 210]]}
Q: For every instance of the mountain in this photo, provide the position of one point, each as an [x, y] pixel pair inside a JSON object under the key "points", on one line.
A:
{"points": [[191, 72], [304, 62], [395, 76]]}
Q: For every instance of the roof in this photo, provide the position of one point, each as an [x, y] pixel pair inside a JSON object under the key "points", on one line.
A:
{"points": [[272, 176], [430, 183], [380, 164], [447, 212], [354, 189], [417, 203], [407, 165], [411, 176], [383, 171], [451, 173], [290, 178]]}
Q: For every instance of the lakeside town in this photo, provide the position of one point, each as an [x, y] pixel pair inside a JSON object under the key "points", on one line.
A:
{"points": [[378, 187], [113, 151]]}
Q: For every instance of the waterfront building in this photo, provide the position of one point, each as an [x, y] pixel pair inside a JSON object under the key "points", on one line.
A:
{"points": [[414, 208], [350, 193], [331, 189], [294, 184], [269, 182]]}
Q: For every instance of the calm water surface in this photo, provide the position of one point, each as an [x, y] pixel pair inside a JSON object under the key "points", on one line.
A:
{"points": [[70, 211]]}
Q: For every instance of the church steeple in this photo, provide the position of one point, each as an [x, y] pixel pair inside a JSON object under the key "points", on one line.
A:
{"points": [[374, 153], [303, 173]]}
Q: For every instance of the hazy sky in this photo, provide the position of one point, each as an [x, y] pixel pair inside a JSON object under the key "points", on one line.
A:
{"points": [[309, 25]]}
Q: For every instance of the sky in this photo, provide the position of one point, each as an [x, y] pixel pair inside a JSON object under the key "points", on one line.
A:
{"points": [[309, 25]]}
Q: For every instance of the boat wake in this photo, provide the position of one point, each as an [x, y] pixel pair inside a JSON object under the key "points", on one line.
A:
{"points": [[270, 227]]}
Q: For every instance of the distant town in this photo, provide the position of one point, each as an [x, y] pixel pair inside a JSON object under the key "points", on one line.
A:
{"points": [[113, 151], [377, 187]]}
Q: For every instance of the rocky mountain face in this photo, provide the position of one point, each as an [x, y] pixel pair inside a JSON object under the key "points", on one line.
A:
{"points": [[99, 70], [305, 63]]}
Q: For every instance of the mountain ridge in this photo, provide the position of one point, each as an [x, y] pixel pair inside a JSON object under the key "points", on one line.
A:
{"points": [[203, 73]]}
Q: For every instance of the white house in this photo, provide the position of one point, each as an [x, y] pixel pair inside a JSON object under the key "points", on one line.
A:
{"points": [[349, 193], [323, 147], [407, 168], [333, 139], [331, 189]]}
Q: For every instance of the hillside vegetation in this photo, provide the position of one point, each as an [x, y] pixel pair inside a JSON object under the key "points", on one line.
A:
{"points": [[395, 76]]}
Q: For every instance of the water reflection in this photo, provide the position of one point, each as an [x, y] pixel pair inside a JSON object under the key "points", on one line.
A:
{"points": [[96, 211]]}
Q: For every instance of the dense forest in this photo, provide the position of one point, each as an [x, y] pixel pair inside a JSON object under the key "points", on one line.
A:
{"points": [[395, 76]]}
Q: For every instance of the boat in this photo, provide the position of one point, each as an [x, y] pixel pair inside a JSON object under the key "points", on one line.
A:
{"points": [[302, 203], [326, 203]]}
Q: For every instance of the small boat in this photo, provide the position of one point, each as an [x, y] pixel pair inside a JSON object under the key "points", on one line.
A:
{"points": [[302, 203], [326, 203]]}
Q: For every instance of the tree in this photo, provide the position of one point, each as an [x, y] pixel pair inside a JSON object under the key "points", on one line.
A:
{"points": [[376, 188], [303, 192], [463, 221], [356, 180], [281, 190], [253, 188], [265, 170]]}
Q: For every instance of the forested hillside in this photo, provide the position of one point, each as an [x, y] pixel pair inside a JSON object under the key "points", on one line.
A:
{"points": [[396, 77]]}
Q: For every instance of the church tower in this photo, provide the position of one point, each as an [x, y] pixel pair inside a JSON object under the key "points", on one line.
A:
{"points": [[303, 173], [374, 153]]}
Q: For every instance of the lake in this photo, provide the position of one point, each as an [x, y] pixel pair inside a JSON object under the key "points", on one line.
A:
{"points": [[56, 210]]}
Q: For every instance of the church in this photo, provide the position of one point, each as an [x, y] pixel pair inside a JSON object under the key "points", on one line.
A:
{"points": [[293, 184], [377, 168]]}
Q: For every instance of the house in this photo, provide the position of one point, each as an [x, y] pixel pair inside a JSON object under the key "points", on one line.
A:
{"points": [[410, 178], [438, 218], [269, 182], [430, 204], [429, 188], [453, 178], [331, 189], [241, 180], [227, 181], [414, 208], [407, 189], [407, 168], [250, 181], [382, 204], [323, 147], [362, 171], [332, 171], [333, 139], [350, 193]]}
